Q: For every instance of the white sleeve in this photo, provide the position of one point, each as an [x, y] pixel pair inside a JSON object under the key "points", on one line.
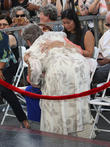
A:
{"points": [[36, 71]]}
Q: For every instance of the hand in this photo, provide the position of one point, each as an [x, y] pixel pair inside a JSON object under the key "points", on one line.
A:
{"points": [[1, 75], [104, 61], [20, 21], [32, 7], [26, 57]]}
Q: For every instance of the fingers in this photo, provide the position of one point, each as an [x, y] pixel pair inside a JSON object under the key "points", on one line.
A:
{"points": [[26, 57], [1, 75]]}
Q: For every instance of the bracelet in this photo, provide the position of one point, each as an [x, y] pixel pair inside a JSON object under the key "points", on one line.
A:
{"points": [[107, 3], [1, 68]]}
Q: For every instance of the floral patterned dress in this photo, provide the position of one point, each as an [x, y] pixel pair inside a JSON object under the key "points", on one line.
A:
{"points": [[66, 72]]}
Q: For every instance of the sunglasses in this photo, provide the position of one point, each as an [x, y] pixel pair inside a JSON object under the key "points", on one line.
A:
{"points": [[107, 24], [3, 24], [22, 15]]}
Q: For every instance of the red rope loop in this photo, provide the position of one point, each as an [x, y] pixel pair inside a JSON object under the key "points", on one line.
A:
{"points": [[37, 96]]}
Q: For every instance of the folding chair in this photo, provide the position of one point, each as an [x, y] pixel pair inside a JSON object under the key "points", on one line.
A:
{"points": [[16, 81], [95, 56], [98, 103]]}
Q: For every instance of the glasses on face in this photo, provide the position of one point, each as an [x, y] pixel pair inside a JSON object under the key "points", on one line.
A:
{"points": [[22, 15], [3, 24], [107, 24]]}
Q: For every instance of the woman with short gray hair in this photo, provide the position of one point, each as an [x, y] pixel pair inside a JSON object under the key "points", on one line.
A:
{"points": [[19, 8], [20, 17], [29, 30], [50, 10], [48, 14]]}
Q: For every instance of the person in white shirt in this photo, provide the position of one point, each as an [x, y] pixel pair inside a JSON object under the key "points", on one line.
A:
{"points": [[104, 55]]}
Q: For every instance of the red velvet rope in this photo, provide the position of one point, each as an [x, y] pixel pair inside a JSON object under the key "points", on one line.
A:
{"points": [[37, 96]]}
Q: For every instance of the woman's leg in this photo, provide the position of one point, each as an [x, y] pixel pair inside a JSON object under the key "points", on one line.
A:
{"points": [[11, 98], [13, 101]]}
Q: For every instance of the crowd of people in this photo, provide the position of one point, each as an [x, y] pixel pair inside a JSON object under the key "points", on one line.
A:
{"points": [[58, 60]]}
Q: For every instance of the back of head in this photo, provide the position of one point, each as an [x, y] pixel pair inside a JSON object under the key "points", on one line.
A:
{"points": [[31, 32], [51, 11]]}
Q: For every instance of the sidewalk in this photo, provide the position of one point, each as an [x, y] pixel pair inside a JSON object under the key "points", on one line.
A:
{"points": [[12, 121]]}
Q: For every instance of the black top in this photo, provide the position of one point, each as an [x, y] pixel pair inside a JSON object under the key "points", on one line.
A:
{"points": [[72, 38], [16, 3], [24, 5]]}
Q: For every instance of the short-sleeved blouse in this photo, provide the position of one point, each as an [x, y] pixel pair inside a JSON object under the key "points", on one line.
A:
{"points": [[5, 52]]}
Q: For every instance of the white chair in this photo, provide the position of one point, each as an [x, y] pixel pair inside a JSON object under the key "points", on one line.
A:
{"points": [[16, 81], [95, 56], [98, 103]]}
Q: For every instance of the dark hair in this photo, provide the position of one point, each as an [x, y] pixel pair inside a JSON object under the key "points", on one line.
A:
{"points": [[70, 14], [7, 18]]}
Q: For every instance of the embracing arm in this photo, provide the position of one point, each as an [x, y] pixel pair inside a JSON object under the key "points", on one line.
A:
{"points": [[89, 43], [34, 69]]}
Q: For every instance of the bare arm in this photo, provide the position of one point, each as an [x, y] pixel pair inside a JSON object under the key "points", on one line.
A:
{"points": [[89, 43], [59, 7], [93, 8], [32, 7], [67, 5], [12, 41]]}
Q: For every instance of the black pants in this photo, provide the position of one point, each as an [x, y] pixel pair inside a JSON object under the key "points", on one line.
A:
{"points": [[101, 74], [10, 96]]}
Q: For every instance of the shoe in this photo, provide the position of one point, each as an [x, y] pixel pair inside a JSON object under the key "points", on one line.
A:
{"points": [[25, 124]]}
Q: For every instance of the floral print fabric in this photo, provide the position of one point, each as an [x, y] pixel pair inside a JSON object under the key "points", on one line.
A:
{"points": [[66, 72]]}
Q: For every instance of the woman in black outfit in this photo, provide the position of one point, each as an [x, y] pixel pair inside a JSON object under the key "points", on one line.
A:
{"points": [[76, 34]]}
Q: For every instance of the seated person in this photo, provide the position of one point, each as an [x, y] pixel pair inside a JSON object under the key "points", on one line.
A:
{"points": [[6, 22], [104, 56], [77, 35], [20, 17], [93, 7], [62, 5], [48, 14]]}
